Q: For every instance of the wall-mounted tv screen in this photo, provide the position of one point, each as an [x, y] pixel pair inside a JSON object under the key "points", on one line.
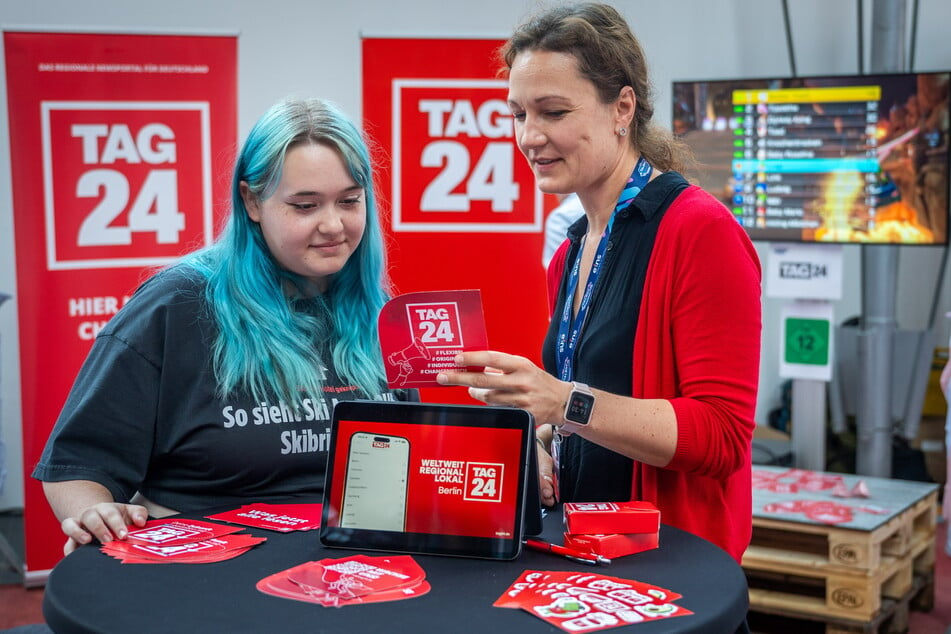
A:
{"points": [[846, 159]]}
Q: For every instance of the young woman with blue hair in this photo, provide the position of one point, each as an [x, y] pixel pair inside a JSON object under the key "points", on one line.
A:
{"points": [[215, 383]]}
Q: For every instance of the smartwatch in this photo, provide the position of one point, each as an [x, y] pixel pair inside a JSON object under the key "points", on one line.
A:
{"points": [[577, 410]]}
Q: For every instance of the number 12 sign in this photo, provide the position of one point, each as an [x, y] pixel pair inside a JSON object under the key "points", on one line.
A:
{"points": [[131, 179]]}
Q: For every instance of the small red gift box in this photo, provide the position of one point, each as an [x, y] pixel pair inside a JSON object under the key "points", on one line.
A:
{"points": [[599, 518]]}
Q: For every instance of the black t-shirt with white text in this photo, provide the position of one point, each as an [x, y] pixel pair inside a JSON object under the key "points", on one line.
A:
{"points": [[143, 414]]}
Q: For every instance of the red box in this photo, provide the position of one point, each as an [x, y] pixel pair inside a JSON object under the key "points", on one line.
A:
{"points": [[598, 518], [612, 546]]}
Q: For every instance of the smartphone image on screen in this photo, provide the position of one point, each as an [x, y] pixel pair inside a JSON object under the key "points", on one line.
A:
{"points": [[374, 495]]}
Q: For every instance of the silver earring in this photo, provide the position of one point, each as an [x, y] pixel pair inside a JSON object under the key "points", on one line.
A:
{"points": [[622, 131]]}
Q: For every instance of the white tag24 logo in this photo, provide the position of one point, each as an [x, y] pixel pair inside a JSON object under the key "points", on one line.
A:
{"points": [[435, 326], [484, 482], [154, 207], [492, 178]]}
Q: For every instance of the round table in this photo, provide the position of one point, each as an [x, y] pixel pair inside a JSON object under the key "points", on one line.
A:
{"points": [[89, 591]]}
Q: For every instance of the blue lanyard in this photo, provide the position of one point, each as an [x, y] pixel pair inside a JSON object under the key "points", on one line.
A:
{"points": [[569, 331]]}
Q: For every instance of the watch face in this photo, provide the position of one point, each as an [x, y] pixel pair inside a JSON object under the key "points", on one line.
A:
{"points": [[579, 407]]}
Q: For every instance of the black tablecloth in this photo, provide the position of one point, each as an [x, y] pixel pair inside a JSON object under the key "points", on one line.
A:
{"points": [[89, 591]]}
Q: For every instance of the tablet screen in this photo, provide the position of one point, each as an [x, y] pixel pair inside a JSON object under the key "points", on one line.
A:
{"points": [[424, 478]]}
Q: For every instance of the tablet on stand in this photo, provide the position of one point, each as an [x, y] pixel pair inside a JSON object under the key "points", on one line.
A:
{"points": [[429, 478]]}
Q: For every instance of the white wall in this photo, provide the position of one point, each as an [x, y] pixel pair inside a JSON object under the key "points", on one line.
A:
{"points": [[312, 47]]}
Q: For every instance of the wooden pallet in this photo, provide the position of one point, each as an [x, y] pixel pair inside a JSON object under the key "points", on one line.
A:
{"points": [[892, 618], [802, 584], [856, 575]]}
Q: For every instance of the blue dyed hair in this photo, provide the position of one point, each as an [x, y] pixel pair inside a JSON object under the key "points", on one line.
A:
{"points": [[263, 345]]}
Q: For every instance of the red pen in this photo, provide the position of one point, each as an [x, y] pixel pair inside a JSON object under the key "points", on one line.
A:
{"points": [[574, 555]]}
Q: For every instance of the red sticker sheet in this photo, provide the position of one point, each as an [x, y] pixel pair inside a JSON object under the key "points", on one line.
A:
{"points": [[576, 601], [203, 552], [168, 541], [349, 581]]}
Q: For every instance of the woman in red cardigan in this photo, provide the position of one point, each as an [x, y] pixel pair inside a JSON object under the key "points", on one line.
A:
{"points": [[652, 354]]}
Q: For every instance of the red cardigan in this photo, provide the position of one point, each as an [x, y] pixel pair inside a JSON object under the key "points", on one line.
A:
{"points": [[698, 345]]}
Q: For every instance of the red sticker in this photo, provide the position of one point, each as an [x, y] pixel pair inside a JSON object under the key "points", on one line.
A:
{"points": [[174, 532], [358, 575], [283, 518]]}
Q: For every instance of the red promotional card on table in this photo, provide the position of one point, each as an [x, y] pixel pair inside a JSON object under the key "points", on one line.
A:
{"points": [[174, 532], [283, 518], [205, 551], [421, 333], [177, 540]]}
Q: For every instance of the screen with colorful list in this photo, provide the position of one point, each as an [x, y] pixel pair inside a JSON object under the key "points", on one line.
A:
{"points": [[841, 159]]}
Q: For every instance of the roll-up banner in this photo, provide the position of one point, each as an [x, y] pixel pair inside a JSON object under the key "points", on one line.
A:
{"points": [[121, 147], [461, 210]]}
